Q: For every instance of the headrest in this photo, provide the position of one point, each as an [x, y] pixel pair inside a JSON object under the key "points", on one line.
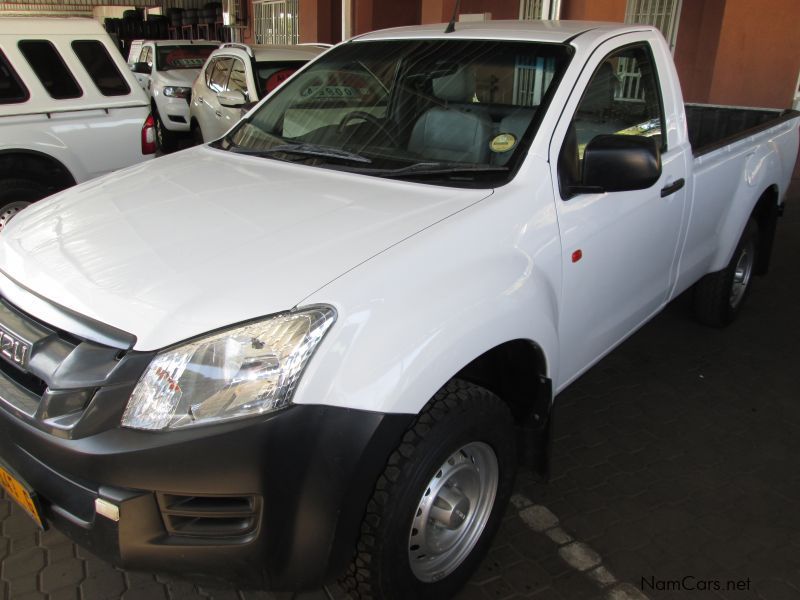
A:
{"points": [[458, 87]]}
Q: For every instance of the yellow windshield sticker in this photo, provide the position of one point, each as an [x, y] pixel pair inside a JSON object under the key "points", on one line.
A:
{"points": [[502, 142]]}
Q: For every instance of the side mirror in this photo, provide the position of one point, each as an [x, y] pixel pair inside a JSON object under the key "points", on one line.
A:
{"points": [[620, 163], [142, 67], [231, 99]]}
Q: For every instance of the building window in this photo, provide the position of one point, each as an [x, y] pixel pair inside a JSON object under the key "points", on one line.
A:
{"points": [[276, 22], [539, 9], [662, 14]]}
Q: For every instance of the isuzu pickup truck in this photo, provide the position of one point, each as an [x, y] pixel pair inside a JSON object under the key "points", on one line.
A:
{"points": [[319, 347]]}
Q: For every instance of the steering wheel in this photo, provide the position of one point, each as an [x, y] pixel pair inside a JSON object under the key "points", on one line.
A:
{"points": [[371, 119]]}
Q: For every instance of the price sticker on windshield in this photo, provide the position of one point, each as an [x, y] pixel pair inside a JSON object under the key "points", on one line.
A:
{"points": [[330, 91]]}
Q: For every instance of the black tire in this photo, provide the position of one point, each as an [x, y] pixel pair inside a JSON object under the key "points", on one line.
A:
{"points": [[718, 297], [167, 140], [459, 418], [16, 194]]}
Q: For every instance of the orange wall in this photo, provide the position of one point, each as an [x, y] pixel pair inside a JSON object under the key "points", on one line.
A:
{"points": [[758, 57], [594, 10], [320, 21], [369, 15], [697, 45], [440, 11]]}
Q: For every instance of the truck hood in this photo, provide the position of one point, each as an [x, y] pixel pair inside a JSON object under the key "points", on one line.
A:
{"points": [[203, 239]]}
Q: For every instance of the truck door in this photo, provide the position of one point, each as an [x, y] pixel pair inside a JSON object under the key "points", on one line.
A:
{"points": [[618, 248]]}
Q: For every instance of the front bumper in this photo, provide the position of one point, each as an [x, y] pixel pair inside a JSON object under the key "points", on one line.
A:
{"points": [[274, 501], [174, 112], [308, 470]]}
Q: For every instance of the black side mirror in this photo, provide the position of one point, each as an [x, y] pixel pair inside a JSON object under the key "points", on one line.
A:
{"points": [[620, 163], [142, 67]]}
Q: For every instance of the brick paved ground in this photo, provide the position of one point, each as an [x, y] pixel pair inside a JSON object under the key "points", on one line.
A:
{"points": [[676, 456]]}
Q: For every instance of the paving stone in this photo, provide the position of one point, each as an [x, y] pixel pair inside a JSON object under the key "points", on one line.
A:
{"points": [[26, 562], [108, 584], [64, 573]]}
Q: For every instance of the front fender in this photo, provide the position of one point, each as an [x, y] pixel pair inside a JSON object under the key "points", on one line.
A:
{"points": [[412, 317]]}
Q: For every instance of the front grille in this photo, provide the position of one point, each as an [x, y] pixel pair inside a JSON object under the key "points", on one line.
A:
{"points": [[51, 376], [214, 518], [28, 381]]}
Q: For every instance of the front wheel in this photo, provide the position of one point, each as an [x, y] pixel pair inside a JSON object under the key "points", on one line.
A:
{"points": [[166, 139], [16, 194], [718, 297], [440, 499]]}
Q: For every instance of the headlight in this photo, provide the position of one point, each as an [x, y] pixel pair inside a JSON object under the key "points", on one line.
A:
{"points": [[177, 92], [241, 372]]}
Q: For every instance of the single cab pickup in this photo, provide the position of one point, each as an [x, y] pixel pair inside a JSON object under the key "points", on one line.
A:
{"points": [[319, 347]]}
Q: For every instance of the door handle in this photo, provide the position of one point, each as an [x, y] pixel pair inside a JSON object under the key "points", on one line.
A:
{"points": [[219, 114], [672, 187]]}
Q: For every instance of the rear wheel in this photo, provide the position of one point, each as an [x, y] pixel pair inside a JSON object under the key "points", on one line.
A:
{"points": [[16, 194], [718, 297], [440, 499]]}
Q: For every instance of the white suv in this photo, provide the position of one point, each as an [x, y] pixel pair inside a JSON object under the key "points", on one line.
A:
{"points": [[166, 70], [237, 76], [70, 110]]}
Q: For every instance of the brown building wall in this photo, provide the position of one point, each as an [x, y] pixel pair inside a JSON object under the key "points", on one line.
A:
{"points": [[594, 10], [320, 21], [697, 45], [369, 15], [758, 56]]}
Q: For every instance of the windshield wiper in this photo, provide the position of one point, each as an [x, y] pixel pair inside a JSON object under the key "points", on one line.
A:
{"points": [[305, 150], [435, 168]]}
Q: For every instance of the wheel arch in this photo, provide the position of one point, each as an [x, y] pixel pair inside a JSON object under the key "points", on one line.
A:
{"points": [[31, 164], [516, 372]]}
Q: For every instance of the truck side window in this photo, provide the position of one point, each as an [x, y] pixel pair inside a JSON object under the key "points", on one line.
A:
{"points": [[623, 97], [146, 56], [100, 66], [11, 88], [49, 67]]}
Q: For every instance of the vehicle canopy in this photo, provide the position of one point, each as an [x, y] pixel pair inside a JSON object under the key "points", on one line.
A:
{"points": [[50, 65]]}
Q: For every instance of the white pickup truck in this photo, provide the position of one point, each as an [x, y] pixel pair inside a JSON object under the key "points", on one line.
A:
{"points": [[318, 347], [70, 110]]}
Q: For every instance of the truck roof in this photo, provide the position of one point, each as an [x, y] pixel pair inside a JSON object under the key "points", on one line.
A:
{"points": [[541, 31], [179, 42], [49, 25]]}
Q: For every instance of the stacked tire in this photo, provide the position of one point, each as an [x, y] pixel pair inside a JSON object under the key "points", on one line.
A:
{"points": [[175, 17], [211, 13]]}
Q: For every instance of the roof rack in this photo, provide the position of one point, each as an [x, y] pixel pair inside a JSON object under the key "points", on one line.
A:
{"points": [[244, 47]]}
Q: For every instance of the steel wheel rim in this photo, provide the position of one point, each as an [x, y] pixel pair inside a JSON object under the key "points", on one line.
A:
{"points": [[741, 275], [159, 133], [11, 210], [453, 511]]}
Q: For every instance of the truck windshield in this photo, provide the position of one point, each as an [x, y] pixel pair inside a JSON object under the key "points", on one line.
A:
{"points": [[451, 112], [183, 57]]}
